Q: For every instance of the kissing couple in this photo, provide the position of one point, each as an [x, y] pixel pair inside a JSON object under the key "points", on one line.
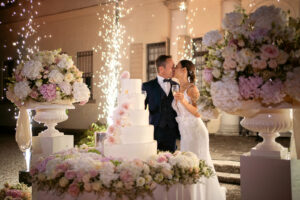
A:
{"points": [[174, 114]]}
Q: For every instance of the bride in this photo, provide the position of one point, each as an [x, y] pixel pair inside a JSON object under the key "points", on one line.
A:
{"points": [[194, 134]]}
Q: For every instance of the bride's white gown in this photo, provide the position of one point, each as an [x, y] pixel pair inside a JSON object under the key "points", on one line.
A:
{"points": [[194, 138]]}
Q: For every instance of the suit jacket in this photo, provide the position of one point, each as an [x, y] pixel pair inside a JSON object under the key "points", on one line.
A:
{"points": [[153, 99]]}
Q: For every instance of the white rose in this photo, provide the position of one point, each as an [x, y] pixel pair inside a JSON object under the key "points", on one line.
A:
{"points": [[80, 92], [63, 182], [65, 62], [211, 38], [140, 181], [148, 179], [55, 77], [65, 87], [96, 186], [216, 73], [69, 77], [32, 69], [119, 184], [39, 82], [22, 89], [216, 63]]}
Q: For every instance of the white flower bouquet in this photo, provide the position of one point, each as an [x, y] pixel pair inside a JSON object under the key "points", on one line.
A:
{"points": [[255, 63], [81, 170], [47, 76]]}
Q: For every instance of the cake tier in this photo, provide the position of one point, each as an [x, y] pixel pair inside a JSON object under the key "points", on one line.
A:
{"points": [[135, 101], [138, 117], [141, 151], [131, 86], [137, 134]]}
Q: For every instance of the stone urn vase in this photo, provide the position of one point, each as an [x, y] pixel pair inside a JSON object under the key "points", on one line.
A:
{"points": [[51, 115], [269, 122]]}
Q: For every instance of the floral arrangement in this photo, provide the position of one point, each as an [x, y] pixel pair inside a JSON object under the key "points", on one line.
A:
{"points": [[85, 170], [47, 76], [255, 63], [15, 192]]}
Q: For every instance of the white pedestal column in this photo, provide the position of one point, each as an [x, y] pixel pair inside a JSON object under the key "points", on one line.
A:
{"points": [[178, 26], [229, 124]]}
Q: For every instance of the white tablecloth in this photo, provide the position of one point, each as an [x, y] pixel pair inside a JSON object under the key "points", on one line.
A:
{"points": [[176, 192]]}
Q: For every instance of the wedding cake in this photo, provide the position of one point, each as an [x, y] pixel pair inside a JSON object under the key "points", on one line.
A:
{"points": [[130, 136]]}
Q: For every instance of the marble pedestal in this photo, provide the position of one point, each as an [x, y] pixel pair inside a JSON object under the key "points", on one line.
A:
{"points": [[265, 178], [44, 146]]}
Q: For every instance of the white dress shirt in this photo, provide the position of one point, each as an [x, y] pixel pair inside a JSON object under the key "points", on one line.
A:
{"points": [[166, 86]]}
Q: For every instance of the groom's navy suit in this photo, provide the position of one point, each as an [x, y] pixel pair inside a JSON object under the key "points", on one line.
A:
{"points": [[162, 115]]}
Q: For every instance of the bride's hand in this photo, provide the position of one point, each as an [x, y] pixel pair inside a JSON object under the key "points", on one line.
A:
{"points": [[179, 96]]}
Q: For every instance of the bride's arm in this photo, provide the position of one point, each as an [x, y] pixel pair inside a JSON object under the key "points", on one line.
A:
{"points": [[194, 95]]}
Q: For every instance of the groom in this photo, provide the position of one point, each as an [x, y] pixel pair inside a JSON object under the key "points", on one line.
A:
{"points": [[159, 99]]}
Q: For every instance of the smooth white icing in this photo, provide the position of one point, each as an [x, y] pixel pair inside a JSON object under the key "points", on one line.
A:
{"points": [[141, 151], [131, 86], [136, 134], [138, 117], [135, 100]]}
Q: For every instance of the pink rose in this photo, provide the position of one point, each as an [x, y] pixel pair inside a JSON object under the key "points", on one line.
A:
{"points": [[70, 174], [272, 63], [207, 75], [229, 64], [82, 103], [125, 106], [269, 51], [34, 94], [62, 167], [111, 129], [111, 140], [162, 159], [125, 176], [125, 75], [73, 190], [118, 122], [121, 112], [259, 64]]}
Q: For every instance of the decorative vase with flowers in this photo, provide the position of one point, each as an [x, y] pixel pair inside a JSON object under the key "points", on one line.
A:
{"points": [[49, 83], [254, 68]]}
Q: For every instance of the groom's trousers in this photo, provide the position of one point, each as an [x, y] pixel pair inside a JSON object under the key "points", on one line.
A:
{"points": [[166, 138]]}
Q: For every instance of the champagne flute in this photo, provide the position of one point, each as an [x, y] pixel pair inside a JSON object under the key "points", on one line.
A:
{"points": [[175, 89]]}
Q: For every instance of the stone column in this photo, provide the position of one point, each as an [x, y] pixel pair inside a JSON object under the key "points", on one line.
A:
{"points": [[296, 130], [178, 33], [229, 123]]}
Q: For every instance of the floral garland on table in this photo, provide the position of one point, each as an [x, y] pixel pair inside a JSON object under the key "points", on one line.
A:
{"points": [[15, 192], [47, 76], [255, 64], [85, 170]]}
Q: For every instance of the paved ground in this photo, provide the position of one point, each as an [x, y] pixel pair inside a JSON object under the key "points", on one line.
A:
{"points": [[222, 148]]}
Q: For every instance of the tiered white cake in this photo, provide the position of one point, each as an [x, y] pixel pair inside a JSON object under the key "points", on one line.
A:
{"points": [[132, 136]]}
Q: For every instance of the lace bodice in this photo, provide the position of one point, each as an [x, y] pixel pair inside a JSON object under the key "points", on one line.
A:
{"points": [[180, 109]]}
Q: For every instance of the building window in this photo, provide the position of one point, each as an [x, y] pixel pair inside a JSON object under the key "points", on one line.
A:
{"points": [[6, 72], [153, 51], [85, 64], [199, 53]]}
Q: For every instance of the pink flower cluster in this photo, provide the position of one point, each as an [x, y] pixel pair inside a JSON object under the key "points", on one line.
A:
{"points": [[250, 87], [48, 91], [207, 75], [272, 92]]}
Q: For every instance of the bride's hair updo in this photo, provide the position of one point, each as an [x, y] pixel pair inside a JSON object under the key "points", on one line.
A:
{"points": [[190, 68]]}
